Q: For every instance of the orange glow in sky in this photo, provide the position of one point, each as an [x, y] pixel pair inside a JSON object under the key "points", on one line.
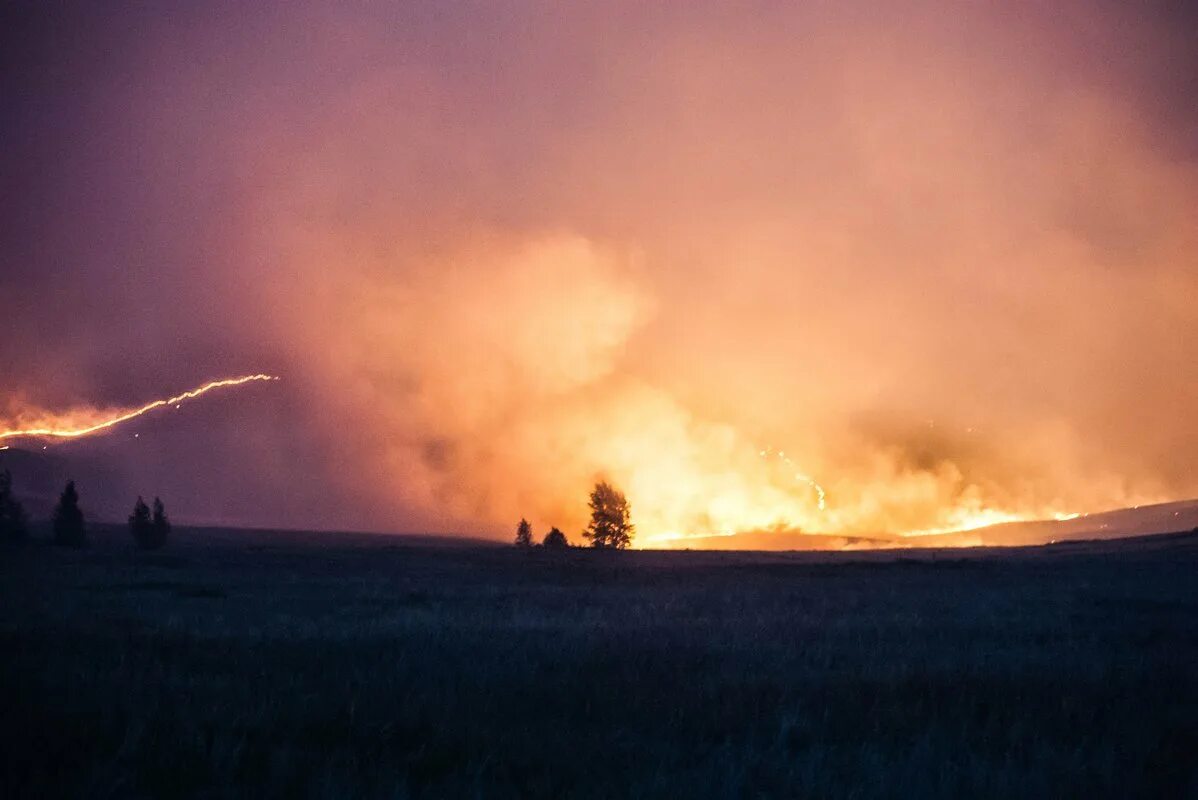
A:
{"points": [[843, 269]]}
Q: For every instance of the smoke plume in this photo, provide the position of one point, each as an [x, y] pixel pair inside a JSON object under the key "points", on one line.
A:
{"points": [[936, 260]]}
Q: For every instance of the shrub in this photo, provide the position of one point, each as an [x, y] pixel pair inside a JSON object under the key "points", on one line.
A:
{"points": [[14, 525], [69, 529], [523, 534], [160, 524], [140, 527], [149, 532]]}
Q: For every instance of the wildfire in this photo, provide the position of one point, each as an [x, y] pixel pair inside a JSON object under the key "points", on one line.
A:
{"points": [[779, 502], [972, 519], [764, 498], [68, 425], [821, 495]]}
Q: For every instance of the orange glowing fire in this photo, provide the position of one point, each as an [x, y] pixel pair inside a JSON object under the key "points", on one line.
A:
{"points": [[962, 520], [79, 423], [719, 495], [780, 505]]}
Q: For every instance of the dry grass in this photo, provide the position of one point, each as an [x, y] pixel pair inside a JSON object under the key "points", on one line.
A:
{"points": [[270, 665]]}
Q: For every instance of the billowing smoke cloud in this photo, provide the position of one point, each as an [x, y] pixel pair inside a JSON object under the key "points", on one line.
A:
{"points": [[939, 259]]}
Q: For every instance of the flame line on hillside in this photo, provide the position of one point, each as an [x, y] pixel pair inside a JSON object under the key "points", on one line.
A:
{"points": [[989, 517], [125, 416]]}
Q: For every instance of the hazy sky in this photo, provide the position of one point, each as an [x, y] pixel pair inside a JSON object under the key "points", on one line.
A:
{"points": [[942, 255]]}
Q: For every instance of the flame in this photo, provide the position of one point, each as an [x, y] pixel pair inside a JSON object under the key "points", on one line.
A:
{"points": [[761, 509], [821, 495], [971, 519], [67, 426], [754, 498]]}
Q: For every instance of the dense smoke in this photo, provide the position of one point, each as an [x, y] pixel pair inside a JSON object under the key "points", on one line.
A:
{"points": [[938, 257]]}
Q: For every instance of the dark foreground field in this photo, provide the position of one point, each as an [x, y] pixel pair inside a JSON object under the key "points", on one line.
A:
{"points": [[257, 664]]}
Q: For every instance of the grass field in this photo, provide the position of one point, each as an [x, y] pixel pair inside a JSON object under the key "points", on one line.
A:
{"points": [[253, 664]]}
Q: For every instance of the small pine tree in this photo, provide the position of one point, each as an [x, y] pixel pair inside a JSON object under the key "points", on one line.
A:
{"points": [[69, 529], [610, 526], [14, 525], [523, 534], [161, 523], [139, 525], [555, 539]]}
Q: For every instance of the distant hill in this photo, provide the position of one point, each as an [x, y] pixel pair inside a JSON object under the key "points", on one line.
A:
{"points": [[1116, 524], [1120, 523]]}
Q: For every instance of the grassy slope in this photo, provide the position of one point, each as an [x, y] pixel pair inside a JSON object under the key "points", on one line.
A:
{"points": [[315, 666]]}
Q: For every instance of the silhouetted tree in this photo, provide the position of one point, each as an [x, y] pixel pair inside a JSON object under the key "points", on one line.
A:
{"points": [[555, 539], [14, 526], [610, 526], [523, 534], [139, 525], [69, 529], [161, 523]]}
